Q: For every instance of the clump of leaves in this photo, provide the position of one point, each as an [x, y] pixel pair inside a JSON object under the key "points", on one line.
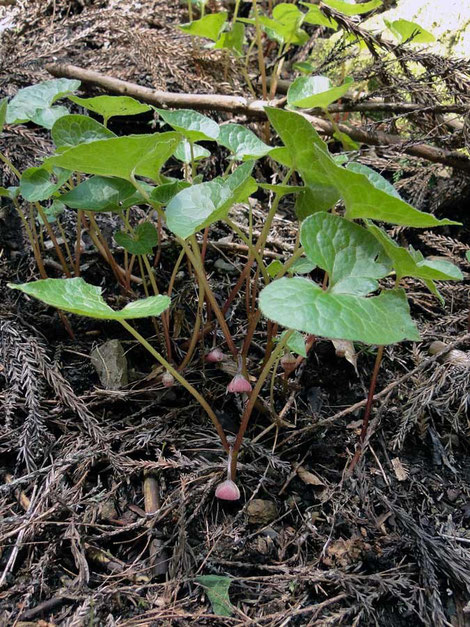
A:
{"points": [[93, 171]]}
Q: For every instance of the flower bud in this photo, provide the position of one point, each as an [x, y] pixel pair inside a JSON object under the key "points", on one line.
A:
{"points": [[227, 491], [239, 385], [288, 361], [168, 380], [215, 356]]}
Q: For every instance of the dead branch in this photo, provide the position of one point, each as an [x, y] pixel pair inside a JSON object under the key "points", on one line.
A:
{"points": [[253, 109]]}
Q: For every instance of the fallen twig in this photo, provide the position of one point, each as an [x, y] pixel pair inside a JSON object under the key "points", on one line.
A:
{"points": [[254, 109]]}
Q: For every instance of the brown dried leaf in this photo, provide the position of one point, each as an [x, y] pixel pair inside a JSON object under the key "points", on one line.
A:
{"points": [[309, 478]]}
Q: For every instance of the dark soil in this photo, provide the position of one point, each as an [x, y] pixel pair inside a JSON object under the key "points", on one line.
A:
{"points": [[308, 544]]}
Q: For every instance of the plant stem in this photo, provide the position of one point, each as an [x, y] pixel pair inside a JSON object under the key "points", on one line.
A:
{"points": [[259, 44], [367, 411], [8, 163], [51, 234], [194, 255], [200, 399], [252, 400]]}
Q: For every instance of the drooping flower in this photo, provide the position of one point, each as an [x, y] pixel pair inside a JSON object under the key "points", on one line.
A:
{"points": [[239, 385], [227, 491], [215, 356]]}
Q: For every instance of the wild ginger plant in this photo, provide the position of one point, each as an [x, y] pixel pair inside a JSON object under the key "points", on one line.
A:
{"points": [[340, 209]]}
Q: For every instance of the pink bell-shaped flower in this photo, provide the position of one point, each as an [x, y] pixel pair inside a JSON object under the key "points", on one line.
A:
{"points": [[215, 356], [227, 491], [239, 385]]}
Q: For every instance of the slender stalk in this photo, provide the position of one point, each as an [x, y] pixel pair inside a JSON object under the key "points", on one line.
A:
{"points": [[66, 244], [200, 399], [259, 246], [51, 234], [97, 236], [367, 411], [8, 163], [197, 326], [32, 240], [194, 255], [259, 44], [252, 400], [78, 247]]}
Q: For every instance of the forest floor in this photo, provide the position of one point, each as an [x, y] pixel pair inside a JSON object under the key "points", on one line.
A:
{"points": [[307, 544]]}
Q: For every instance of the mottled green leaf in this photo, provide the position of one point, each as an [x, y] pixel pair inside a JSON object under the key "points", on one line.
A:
{"points": [[302, 266], [302, 305], [353, 9], [412, 263], [183, 152], [352, 256], [110, 106], [274, 268], [72, 130], [217, 590], [78, 297], [232, 39], [374, 177], [296, 343], [41, 96], [284, 27], [200, 205], [55, 209], [99, 193], [317, 17], [208, 26], [120, 156], [141, 242], [308, 92], [242, 142], [192, 125], [48, 117], [410, 31], [164, 193], [300, 140], [39, 183]]}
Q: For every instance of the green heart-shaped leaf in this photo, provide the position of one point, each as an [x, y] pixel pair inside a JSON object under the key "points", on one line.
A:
{"points": [[232, 40], [284, 27], [164, 193], [120, 156], [351, 9], [374, 177], [41, 96], [110, 106], [48, 117], [412, 263], [72, 130], [39, 184], [410, 31], [142, 242], [300, 139], [192, 125], [99, 193], [302, 305], [183, 152], [308, 92], [78, 297], [363, 199], [316, 17], [198, 206], [52, 212], [217, 590], [352, 256], [242, 142], [208, 26]]}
